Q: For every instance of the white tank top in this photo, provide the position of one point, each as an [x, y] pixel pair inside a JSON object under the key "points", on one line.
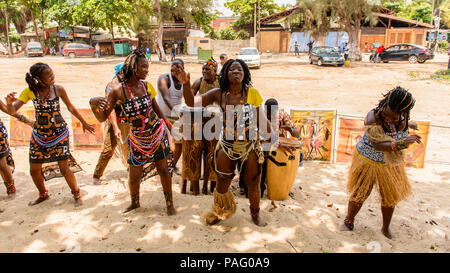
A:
{"points": [[175, 98]]}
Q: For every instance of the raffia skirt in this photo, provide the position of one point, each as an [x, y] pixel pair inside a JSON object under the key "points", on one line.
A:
{"points": [[390, 180]]}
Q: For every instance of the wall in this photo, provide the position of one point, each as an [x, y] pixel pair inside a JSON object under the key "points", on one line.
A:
{"points": [[270, 41], [405, 35], [193, 43], [228, 46]]}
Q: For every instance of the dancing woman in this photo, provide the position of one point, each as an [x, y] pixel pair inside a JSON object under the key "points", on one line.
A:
{"points": [[50, 135], [234, 95], [148, 136], [378, 158]]}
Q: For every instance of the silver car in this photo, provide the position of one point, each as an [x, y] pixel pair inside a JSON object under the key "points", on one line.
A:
{"points": [[34, 49]]}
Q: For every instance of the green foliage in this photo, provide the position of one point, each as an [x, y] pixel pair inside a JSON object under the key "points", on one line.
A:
{"points": [[227, 34], [61, 11], [443, 45], [246, 9], [214, 35], [203, 18], [243, 34]]}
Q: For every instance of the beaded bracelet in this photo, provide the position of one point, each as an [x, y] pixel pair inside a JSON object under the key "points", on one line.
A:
{"points": [[95, 108], [21, 118], [401, 145]]}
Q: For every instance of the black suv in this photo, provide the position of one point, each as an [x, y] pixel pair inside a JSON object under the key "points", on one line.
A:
{"points": [[404, 52]]}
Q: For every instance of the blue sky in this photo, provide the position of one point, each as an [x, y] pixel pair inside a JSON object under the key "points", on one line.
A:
{"points": [[219, 5]]}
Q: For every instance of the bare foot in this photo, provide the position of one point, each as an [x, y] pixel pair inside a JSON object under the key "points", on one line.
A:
{"points": [[132, 207], [11, 196], [78, 202], [212, 221], [347, 225], [96, 181], [258, 221], [387, 233], [171, 211], [39, 200]]}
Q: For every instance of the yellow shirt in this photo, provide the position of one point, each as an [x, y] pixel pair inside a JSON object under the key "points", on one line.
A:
{"points": [[151, 90], [26, 95], [254, 97]]}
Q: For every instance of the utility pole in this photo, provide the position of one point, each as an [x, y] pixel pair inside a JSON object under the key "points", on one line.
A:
{"points": [[431, 23], [254, 21], [259, 27]]}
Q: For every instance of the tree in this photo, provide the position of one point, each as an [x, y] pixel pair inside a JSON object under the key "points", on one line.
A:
{"points": [[312, 17], [227, 34], [243, 34], [246, 9], [349, 14], [61, 11], [159, 46], [4, 6]]}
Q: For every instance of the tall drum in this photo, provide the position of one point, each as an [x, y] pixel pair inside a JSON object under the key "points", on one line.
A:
{"points": [[191, 127], [282, 169], [211, 128]]}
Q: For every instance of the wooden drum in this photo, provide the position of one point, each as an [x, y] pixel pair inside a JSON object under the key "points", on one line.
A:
{"points": [[282, 169]]}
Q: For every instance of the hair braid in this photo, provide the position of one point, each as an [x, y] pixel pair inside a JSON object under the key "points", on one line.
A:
{"points": [[34, 74], [130, 65]]}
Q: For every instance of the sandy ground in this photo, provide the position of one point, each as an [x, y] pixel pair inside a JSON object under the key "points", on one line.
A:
{"points": [[308, 221]]}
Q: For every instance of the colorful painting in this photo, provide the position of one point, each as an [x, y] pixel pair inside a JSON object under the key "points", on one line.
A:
{"points": [[352, 130], [87, 141], [415, 154], [316, 129], [20, 133]]}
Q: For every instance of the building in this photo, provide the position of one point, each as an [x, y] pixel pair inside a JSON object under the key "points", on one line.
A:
{"points": [[223, 22], [277, 35]]}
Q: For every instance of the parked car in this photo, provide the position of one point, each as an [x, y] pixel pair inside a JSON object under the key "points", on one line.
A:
{"points": [[250, 56], [405, 52], [325, 55], [34, 49], [74, 50]]}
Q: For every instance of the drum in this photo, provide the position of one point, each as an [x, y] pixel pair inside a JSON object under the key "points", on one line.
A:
{"points": [[282, 170], [211, 129], [191, 128]]}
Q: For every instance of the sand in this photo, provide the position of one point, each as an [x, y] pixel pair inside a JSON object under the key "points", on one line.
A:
{"points": [[307, 221]]}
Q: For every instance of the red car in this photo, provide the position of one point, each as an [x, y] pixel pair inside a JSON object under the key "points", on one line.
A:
{"points": [[73, 50]]}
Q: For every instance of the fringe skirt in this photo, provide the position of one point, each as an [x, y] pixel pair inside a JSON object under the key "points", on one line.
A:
{"points": [[390, 180]]}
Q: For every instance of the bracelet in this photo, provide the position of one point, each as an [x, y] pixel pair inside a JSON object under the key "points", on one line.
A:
{"points": [[94, 108], [401, 145], [22, 118]]}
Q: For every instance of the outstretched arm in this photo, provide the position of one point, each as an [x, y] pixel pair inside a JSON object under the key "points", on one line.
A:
{"points": [[18, 116], [63, 94], [204, 100]]}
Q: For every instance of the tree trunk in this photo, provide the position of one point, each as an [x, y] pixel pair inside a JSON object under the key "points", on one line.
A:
{"points": [[35, 25], [353, 41], [8, 43], [159, 46], [112, 34], [43, 28]]}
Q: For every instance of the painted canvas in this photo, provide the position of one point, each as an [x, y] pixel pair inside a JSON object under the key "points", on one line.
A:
{"points": [[316, 129]]}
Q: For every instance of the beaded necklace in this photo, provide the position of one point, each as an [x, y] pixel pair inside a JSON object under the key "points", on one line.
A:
{"points": [[141, 117], [42, 102]]}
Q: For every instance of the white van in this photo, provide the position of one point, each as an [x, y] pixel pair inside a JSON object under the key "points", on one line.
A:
{"points": [[250, 56], [34, 49]]}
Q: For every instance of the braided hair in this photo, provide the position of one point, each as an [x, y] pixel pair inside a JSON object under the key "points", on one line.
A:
{"points": [[398, 100], [224, 83], [130, 65], [34, 74]]}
